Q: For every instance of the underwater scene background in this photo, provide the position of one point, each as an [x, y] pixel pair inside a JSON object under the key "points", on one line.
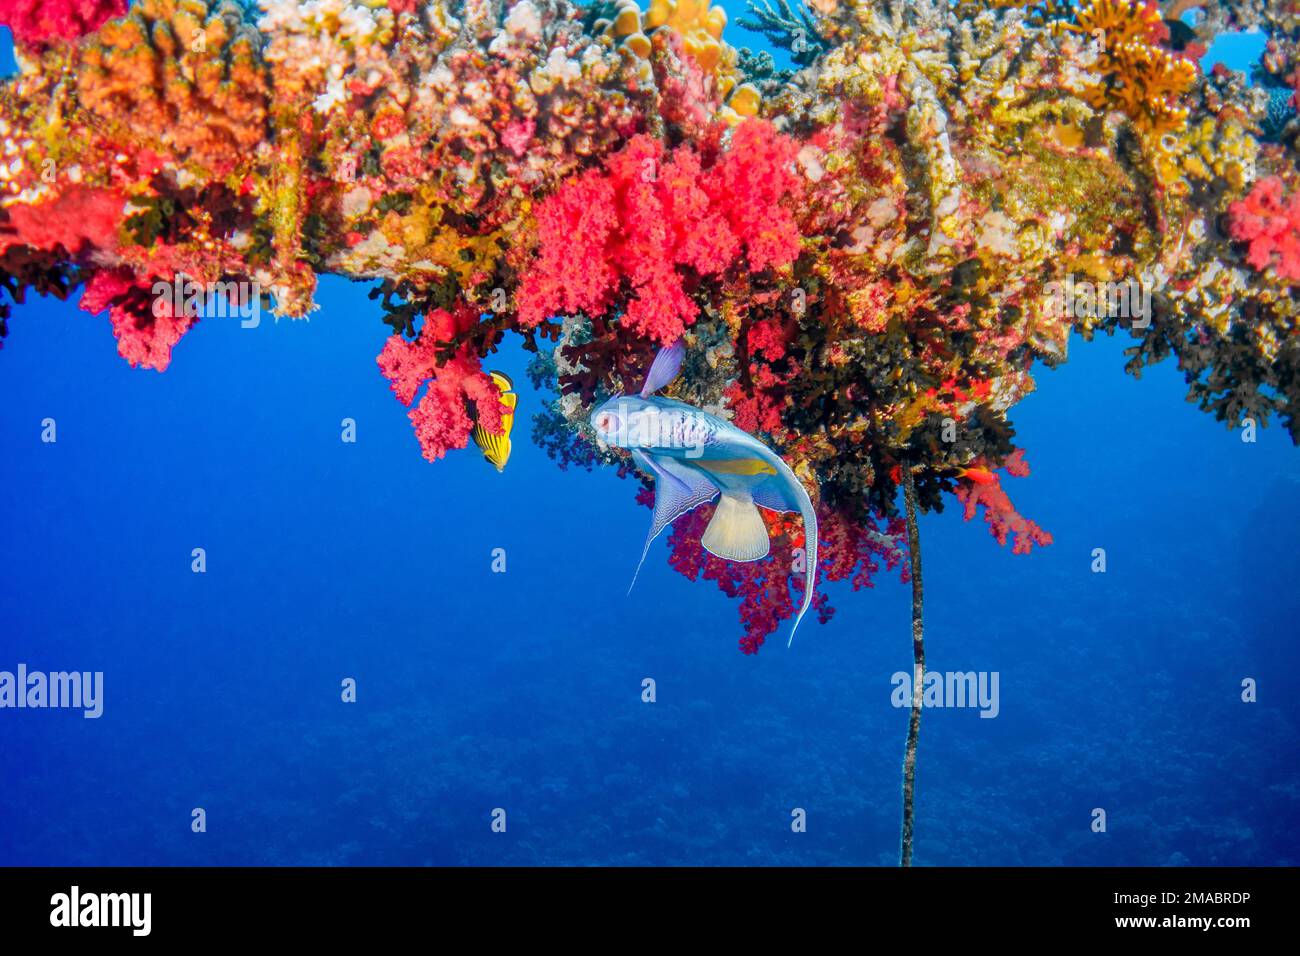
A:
{"points": [[522, 690]]}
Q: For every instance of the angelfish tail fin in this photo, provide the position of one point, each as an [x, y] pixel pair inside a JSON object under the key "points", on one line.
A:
{"points": [[637, 572], [736, 531], [810, 557], [787, 493]]}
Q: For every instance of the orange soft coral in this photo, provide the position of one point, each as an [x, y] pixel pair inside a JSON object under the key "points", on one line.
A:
{"points": [[1139, 77]]}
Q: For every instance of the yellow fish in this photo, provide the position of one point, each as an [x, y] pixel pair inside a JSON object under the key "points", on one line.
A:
{"points": [[737, 466], [496, 448]]}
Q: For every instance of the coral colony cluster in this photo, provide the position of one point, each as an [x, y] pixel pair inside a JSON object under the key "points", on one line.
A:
{"points": [[863, 252]]}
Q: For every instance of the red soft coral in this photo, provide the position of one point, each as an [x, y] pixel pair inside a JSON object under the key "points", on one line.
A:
{"points": [[442, 418], [758, 410], [750, 187], [769, 339], [757, 402], [999, 512], [144, 324], [1270, 222], [38, 22], [629, 236], [762, 586], [575, 226], [79, 219], [771, 589]]}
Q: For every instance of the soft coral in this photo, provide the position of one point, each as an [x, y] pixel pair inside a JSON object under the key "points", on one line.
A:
{"points": [[442, 420], [1000, 513], [144, 324], [848, 550], [629, 236], [1270, 222]]}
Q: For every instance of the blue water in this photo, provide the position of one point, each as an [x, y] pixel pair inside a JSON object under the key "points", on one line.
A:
{"points": [[522, 691]]}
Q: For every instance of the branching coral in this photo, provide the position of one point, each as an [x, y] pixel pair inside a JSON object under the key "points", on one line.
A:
{"points": [[794, 30]]}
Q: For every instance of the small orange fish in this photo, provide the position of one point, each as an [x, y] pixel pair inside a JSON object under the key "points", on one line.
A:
{"points": [[980, 476]]}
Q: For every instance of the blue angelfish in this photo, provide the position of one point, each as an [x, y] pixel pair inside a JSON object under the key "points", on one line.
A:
{"points": [[695, 457]]}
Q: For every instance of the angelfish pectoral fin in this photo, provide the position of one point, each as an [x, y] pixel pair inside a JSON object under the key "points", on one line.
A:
{"points": [[737, 531], [678, 489]]}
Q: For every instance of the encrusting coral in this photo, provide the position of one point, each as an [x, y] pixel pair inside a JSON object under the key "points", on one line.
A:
{"points": [[183, 77], [866, 254]]}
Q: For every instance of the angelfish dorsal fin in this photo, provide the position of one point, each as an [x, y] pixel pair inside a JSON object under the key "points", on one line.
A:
{"points": [[664, 368]]}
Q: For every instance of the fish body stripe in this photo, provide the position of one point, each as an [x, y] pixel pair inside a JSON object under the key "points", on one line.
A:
{"points": [[737, 466]]}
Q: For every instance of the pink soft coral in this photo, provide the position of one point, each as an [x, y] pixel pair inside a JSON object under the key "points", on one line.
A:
{"points": [[1000, 513], [750, 187], [38, 22], [441, 419], [628, 237], [1270, 222], [145, 327]]}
